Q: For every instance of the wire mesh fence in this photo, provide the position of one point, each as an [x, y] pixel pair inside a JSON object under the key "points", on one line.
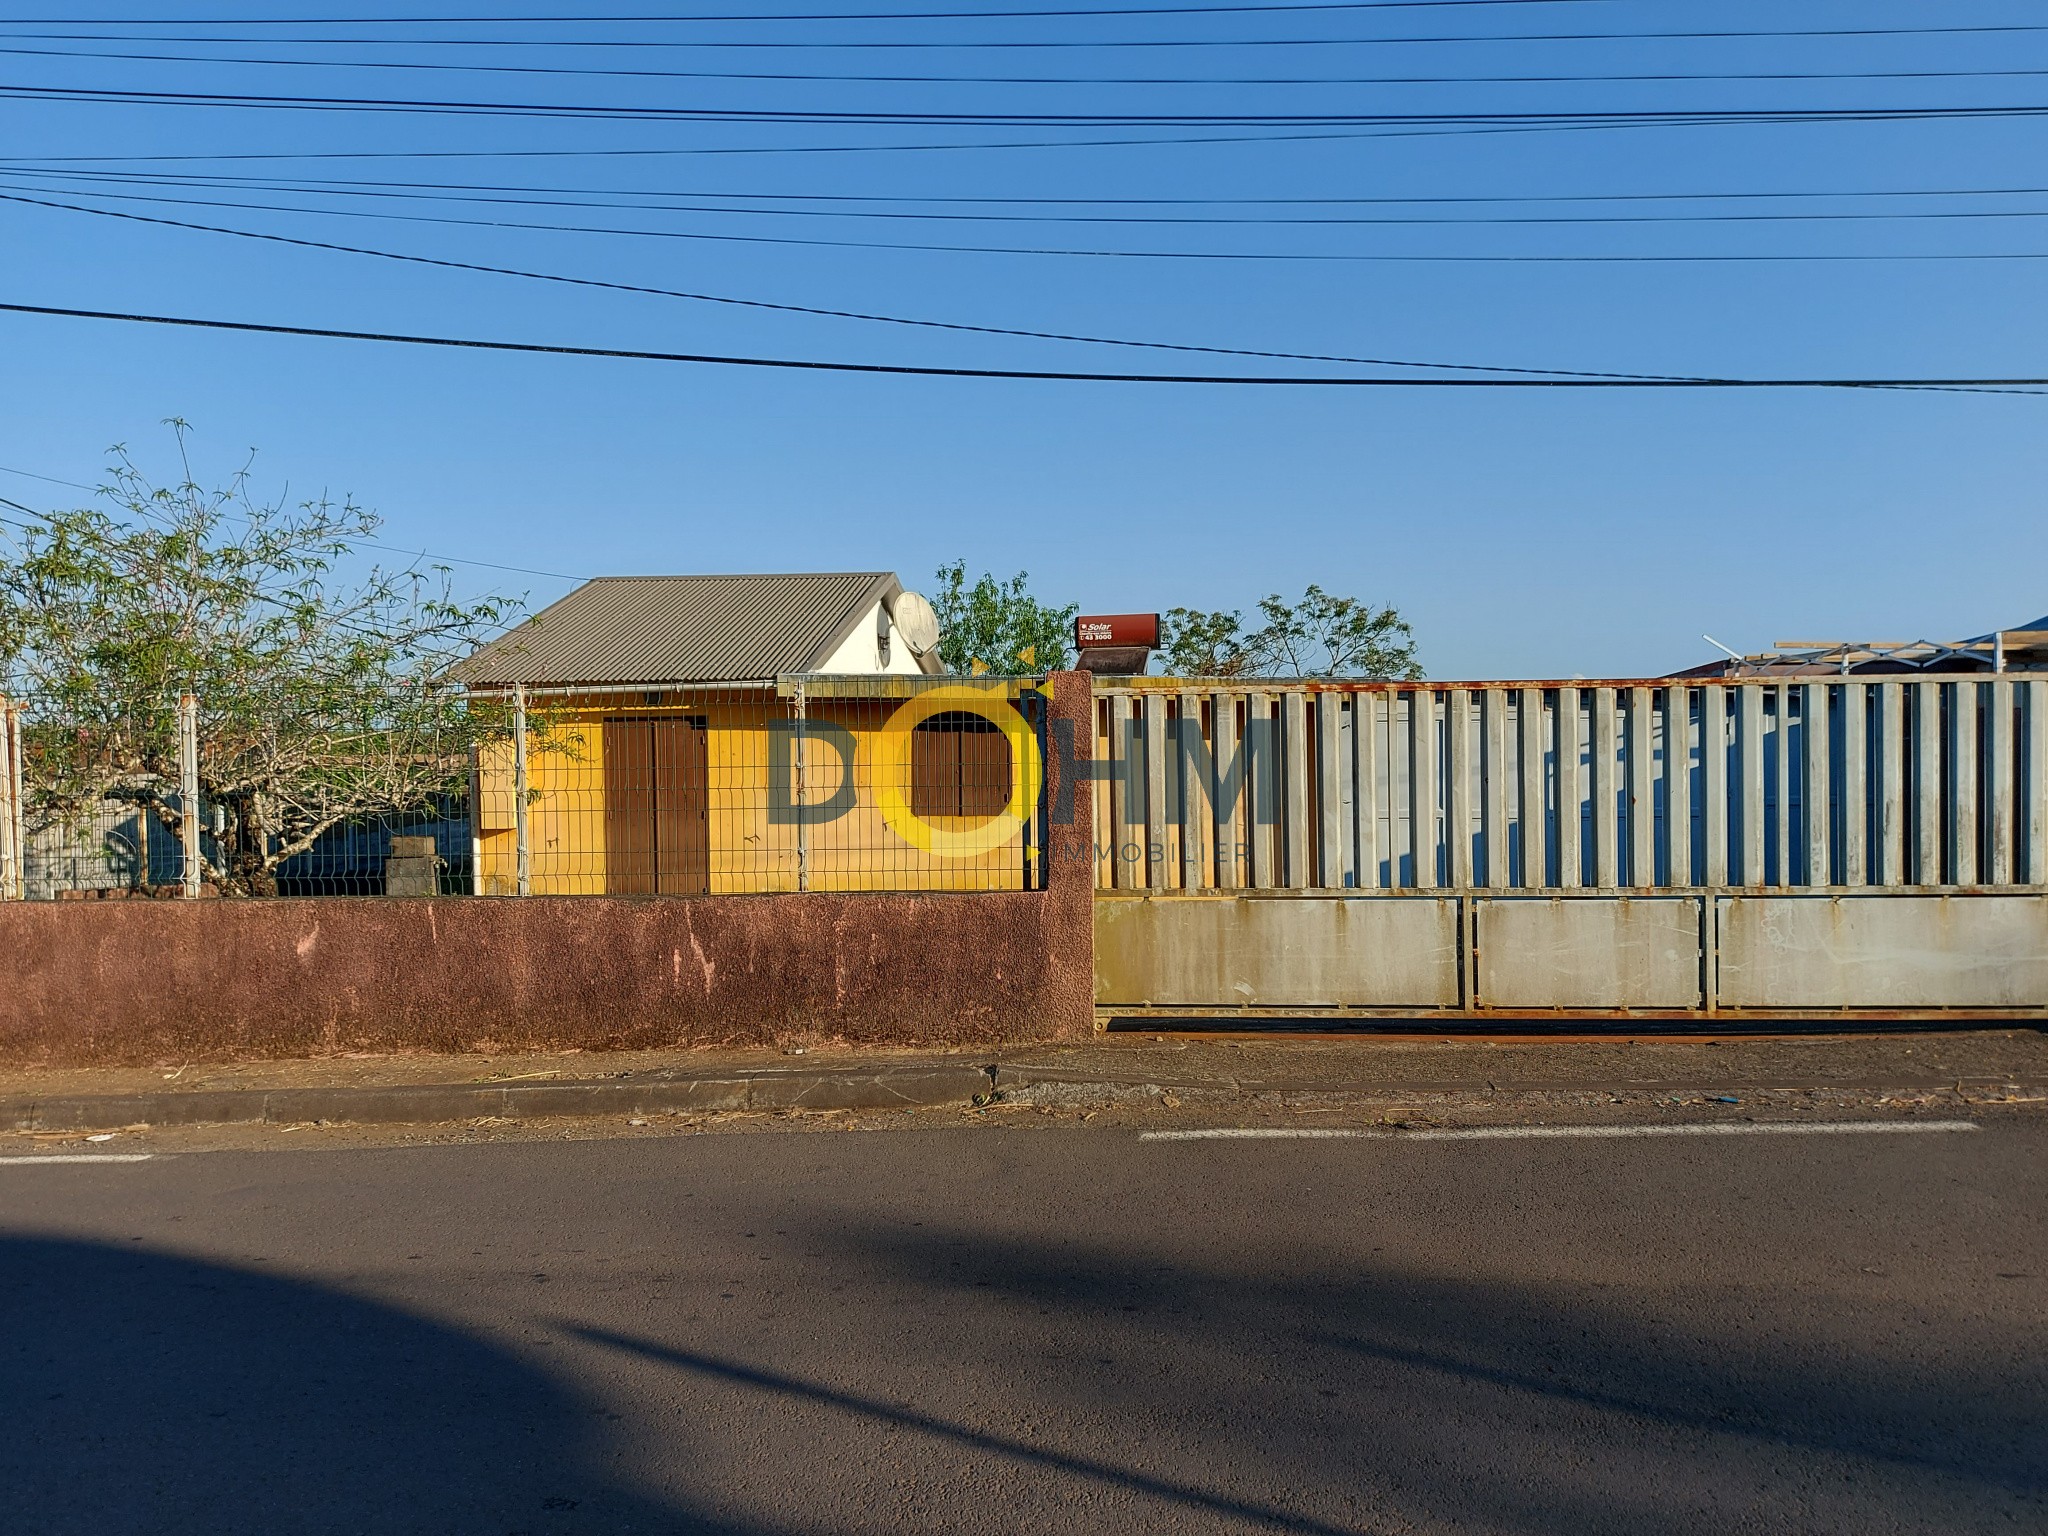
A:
{"points": [[796, 784], [807, 784]]}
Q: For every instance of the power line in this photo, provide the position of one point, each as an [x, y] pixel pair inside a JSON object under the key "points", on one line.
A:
{"points": [[1418, 40], [817, 242], [984, 15], [600, 200], [1661, 78], [604, 113], [30, 165], [1040, 374], [839, 314], [1331, 136]]}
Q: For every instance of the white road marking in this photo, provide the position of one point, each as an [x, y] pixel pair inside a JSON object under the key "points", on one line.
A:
{"points": [[1577, 1132], [77, 1157]]}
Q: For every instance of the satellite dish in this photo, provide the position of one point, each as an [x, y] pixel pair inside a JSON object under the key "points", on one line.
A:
{"points": [[915, 622]]}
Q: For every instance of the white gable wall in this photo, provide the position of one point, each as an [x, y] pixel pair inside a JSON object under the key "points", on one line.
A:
{"points": [[859, 654]]}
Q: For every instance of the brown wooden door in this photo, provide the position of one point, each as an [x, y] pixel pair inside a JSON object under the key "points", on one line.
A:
{"points": [[682, 807], [657, 807]]}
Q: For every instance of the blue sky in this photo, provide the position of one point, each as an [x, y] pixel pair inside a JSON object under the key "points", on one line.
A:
{"points": [[1523, 532]]}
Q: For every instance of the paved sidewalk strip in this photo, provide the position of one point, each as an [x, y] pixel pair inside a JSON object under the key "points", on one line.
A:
{"points": [[1945, 1070]]}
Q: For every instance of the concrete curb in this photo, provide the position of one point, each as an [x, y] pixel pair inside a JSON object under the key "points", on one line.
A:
{"points": [[914, 1087], [434, 1103]]}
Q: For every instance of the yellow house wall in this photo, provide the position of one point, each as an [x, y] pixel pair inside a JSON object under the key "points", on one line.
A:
{"points": [[857, 852]]}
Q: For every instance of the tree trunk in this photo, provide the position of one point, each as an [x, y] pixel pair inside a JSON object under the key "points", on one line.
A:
{"points": [[247, 870]]}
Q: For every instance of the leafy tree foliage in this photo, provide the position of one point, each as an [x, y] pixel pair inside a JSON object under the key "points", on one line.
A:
{"points": [[1322, 635], [322, 697], [1194, 642], [998, 626]]}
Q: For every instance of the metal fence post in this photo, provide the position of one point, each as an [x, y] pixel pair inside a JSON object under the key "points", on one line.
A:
{"points": [[524, 843], [20, 810], [803, 824], [476, 811], [188, 790], [10, 797]]}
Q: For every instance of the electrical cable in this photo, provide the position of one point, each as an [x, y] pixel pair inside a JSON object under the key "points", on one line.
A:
{"points": [[972, 45], [601, 113], [854, 149], [838, 314], [1666, 77], [1033, 374], [32, 166], [1286, 6], [1025, 250], [593, 200]]}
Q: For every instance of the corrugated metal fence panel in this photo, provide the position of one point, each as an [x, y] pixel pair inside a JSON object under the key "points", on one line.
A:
{"points": [[2036, 817], [1843, 783]]}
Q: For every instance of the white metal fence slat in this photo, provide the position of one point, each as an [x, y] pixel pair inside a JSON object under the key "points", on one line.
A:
{"points": [[1678, 785], [1714, 780], [1928, 737], [1816, 734], [1570, 816], [1422, 786], [1493, 817], [1329, 800], [1126, 793], [1154, 721], [1855, 794], [2035, 819], [1891, 786], [1458, 777], [1294, 807], [1230, 817], [1963, 782], [1781, 783], [1399, 765], [1642, 818], [1197, 817], [1749, 729], [1265, 839], [1365, 728], [1533, 819], [1602, 782], [1998, 759]]}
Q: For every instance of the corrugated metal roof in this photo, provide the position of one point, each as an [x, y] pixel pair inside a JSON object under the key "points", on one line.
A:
{"points": [[660, 629]]}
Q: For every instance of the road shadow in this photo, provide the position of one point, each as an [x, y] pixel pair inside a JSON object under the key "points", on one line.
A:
{"points": [[1283, 1394], [144, 1392]]}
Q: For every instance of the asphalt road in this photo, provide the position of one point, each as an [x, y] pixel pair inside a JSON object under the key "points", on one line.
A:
{"points": [[1051, 1330]]}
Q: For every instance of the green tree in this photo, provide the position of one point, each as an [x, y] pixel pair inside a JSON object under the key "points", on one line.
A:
{"points": [[1195, 642], [322, 698], [1328, 636], [998, 626], [1322, 635]]}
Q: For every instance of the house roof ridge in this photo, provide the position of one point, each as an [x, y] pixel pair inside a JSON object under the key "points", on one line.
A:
{"points": [[735, 576], [709, 626]]}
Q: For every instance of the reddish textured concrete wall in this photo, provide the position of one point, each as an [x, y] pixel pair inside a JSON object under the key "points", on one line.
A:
{"points": [[107, 983]]}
